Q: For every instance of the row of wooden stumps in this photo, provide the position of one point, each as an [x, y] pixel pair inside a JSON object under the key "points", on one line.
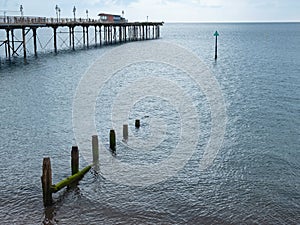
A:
{"points": [[46, 179], [49, 188], [112, 135]]}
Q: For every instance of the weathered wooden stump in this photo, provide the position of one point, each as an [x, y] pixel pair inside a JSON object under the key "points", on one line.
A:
{"points": [[125, 132], [74, 160], [137, 124], [112, 140], [95, 148], [47, 182]]}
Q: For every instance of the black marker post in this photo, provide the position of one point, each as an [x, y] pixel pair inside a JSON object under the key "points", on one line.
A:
{"points": [[216, 34]]}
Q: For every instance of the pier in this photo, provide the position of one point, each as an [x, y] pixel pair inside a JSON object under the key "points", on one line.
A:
{"points": [[104, 33]]}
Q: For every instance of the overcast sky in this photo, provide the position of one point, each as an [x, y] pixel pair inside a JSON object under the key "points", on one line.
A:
{"points": [[165, 10]]}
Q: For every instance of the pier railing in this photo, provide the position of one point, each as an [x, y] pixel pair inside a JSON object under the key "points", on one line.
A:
{"points": [[44, 20]]}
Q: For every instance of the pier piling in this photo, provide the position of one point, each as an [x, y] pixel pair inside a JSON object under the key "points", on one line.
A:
{"points": [[24, 42]]}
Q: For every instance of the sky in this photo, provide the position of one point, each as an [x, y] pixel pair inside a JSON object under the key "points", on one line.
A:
{"points": [[164, 10]]}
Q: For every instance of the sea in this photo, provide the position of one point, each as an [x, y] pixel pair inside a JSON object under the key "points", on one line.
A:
{"points": [[219, 141]]}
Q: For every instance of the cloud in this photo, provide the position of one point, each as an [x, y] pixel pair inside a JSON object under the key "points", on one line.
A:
{"points": [[165, 10], [208, 3]]}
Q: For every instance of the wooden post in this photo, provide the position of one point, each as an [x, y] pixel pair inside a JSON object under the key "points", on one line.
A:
{"points": [[137, 124], [74, 160], [125, 34], [12, 41], [95, 148], [47, 182], [73, 39], [146, 32], [153, 32], [100, 35], [125, 132], [87, 36], [115, 34], [54, 37], [111, 34], [34, 41], [120, 34], [96, 36], [112, 140], [70, 37], [8, 42], [24, 42], [83, 37]]}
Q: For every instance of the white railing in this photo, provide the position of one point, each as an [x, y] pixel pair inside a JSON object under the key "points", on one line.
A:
{"points": [[42, 20]]}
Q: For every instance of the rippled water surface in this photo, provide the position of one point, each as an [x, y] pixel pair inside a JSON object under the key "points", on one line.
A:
{"points": [[255, 178]]}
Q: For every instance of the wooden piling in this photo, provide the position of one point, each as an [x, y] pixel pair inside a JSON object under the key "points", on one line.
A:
{"points": [[34, 41], [24, 42], [95, 148], [137, 124], [112, 140], [12, 41], [125, 132], [73, 39], [83, 35], [70, 37], [100, 36], [47, 182], [87, 36], [95, 36], [8, 43], [125, 34], [74, 160], [54, 38]]}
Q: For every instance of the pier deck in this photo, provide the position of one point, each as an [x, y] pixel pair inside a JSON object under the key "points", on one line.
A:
{"points": [[104, 32]]}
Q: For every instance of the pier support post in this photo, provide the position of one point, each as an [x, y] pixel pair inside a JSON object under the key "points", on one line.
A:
{"points": [[96, 36], [112, 140], [83, 37], [146, 32], [120, 34], [47, 182], [70, 37], [100, 35], [24, 42], [153, 32], [34, 41], [104, 35], [73, 39], [8, 43], [87, 36], [125, 34], [115, 34], [111, 34], [12, 41], [95, 148], [54, 37], [74, 160], [143, 32]]}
